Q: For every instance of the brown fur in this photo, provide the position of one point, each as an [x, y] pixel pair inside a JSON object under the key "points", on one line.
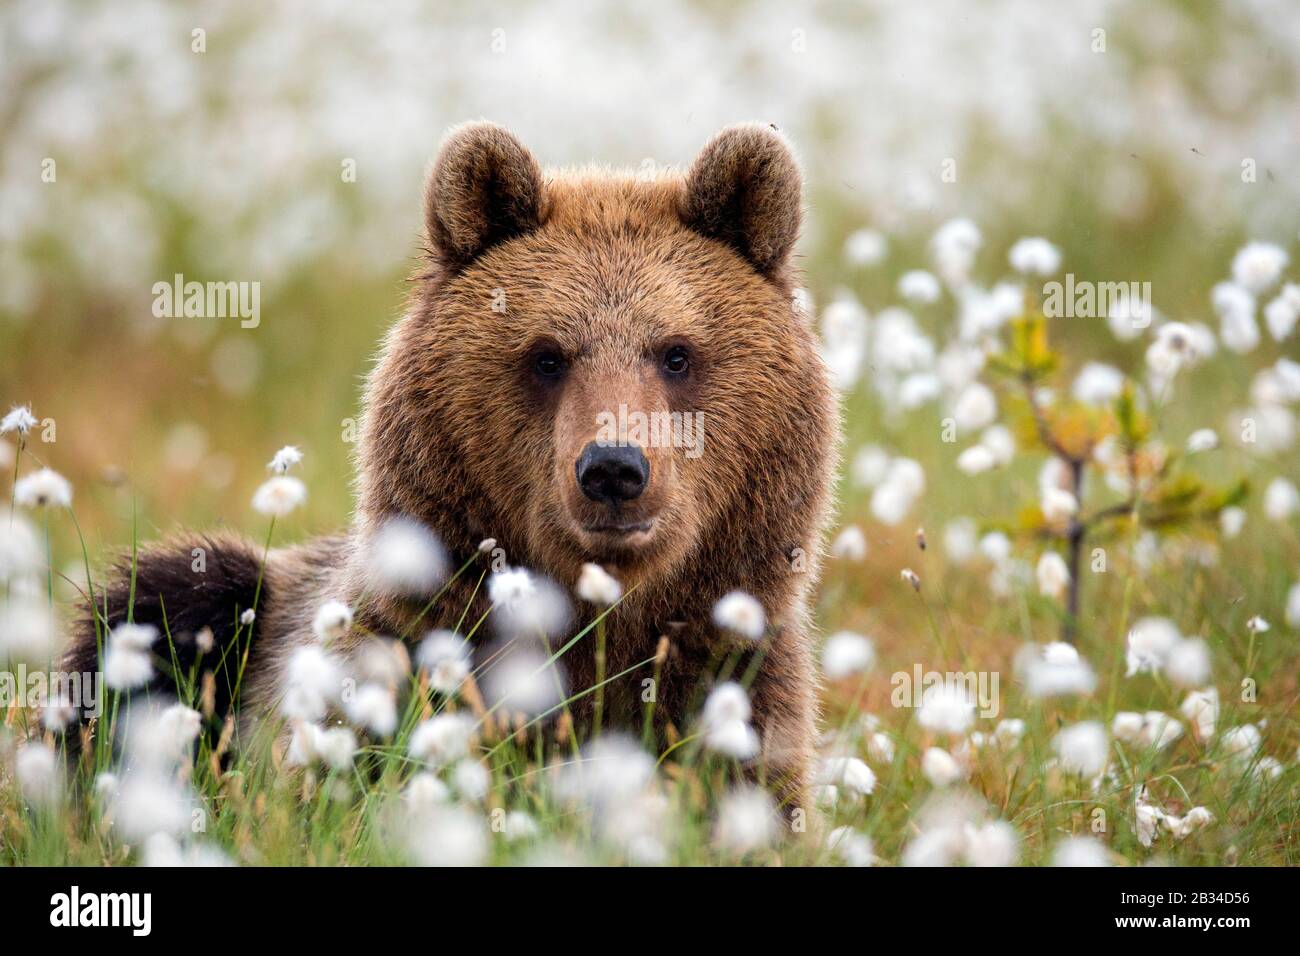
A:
{"points": [[607, 270]]}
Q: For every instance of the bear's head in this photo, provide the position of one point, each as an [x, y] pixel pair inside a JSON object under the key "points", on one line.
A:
{"points": [[606, 367]]}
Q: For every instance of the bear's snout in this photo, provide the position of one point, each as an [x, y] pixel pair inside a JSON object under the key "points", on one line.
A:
{"points": [[612, 474]]}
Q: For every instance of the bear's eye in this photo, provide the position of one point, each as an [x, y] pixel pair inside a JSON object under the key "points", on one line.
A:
{"points": [[677, 361], [548, 364]]}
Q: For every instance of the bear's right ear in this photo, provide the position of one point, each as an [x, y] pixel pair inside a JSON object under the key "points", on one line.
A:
{"points": [[485, 187]]}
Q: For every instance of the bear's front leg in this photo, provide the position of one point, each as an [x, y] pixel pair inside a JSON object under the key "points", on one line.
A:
{"points": [[784, 698]]}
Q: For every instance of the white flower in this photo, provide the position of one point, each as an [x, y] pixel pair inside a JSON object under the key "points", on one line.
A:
{"points": [[518, 825], [19, 419], [1080, 851], [405, 558], [851, 544], [1147, 818], [248, 617], [746, 821], [527, 605], [125, 667], [313, 680], [1257, 265], [1034, 256], [996, 843], [333, 620], [471, 780], [1241, 743], [445, 655], [611, 770], [1203, 439], [148, 802], [726, 722], [1098, 384], [1149, 644], [524, 682], [903, 483], [1009, 732], [975, 460], [741, 613], [846, 774], [880, 747], [870, 465], [959, 540], [1188, 663], [1082, 748], [162, 850], [279, 496], [425, 790], [1127, 726], [1058, 506], [953, 247], [445, 836], [1053, 670], [1257, 625], [163, 738], [336, 747], [1280, 500], [850, 847], [919, 286], [1053, 575], [946, 708], [911, 578], [1293, 606], [866, 247], [43, 489], [442, 739], [1000, 443], [1201, 708], [597, 586], [1231, 521], [28, 631], [20, 550], [284, 459], [1280, 317], [940, 767], [1182, 827], [847, 653], [975, 407], [39, 774], [373, 709]]}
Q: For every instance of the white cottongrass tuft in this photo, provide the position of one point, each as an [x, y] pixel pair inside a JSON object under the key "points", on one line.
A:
{"points": [[19, 420], [1097, 384], [940, 767], [995, 843], [610, 770], [1082, 748], [919, 286], [1053, 575], [746, 821], [1188, 663], [947, 709], [127, 662], [865, 247], [725, 720], [1201, 708], [1258, 265], [1058, 506], [1080, 852], [442, 739], [1150, 642], [333, 620], [527, 605], [598, 586], [284, 459], [1293, 606], [903, 482], [975, 408], [740, 613], [976, 460], [313, 681], [445, 656], [28, 632], [1281, 500], [43, 489], [1202, 440], [405, 558], [39, 774], [851, 847], [444, 836], [1054, 670], [847, 775], [524, 681], [850, 544], [1257, 625], [279, 496], [846, 653], [372, 708], [1034, 256]]}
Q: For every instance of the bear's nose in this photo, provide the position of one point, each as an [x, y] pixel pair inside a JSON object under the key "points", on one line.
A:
{"points": [[612, 473]]}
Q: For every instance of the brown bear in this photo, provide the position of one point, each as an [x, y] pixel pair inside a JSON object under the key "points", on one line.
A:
{"points": [[552, 303]]}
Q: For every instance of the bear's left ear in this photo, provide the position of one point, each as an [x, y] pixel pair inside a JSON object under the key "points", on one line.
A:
{"points": [[745, 189], [485, 187]]}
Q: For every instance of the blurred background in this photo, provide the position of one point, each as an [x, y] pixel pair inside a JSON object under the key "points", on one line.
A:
{"points": [[285, 143]]}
